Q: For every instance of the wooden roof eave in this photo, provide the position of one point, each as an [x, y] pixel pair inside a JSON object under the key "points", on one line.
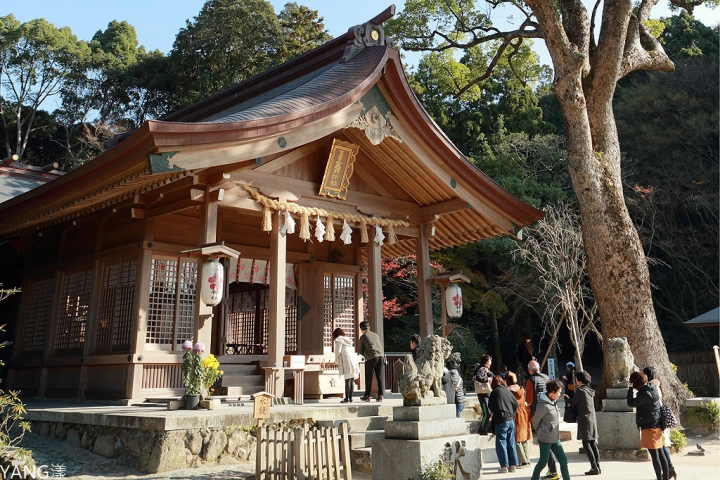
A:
{"points": [[122, 161], [519, 212]]}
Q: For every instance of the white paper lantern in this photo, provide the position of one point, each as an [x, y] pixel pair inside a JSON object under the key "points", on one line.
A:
{"points": [[212, 282], [453, 300]]}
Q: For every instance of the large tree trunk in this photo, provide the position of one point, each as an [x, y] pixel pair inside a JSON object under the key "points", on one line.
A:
{"points": [[586, 73], [617, 266]]}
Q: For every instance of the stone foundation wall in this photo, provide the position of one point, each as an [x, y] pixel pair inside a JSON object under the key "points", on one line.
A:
{"points": [[155, 451]]}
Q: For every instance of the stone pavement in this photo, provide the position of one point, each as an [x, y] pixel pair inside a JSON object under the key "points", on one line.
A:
{"points": [[82, 464]]}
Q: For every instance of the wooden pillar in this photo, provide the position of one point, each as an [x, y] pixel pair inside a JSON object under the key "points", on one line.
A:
{"points": [[276, 322], [133, 381], [422, 254], [208, 234], [375, 316]]}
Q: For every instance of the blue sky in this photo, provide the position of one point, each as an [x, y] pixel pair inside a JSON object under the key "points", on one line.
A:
{"points": [[158, 21]]}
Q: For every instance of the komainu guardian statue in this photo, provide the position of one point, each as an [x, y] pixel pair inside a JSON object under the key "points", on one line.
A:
{"points": [[420, 382], [621, 360]]}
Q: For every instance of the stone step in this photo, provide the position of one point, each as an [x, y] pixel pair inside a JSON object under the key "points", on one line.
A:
{"points": [[244, 391], [239, 369], [365, 439], [361, 460], [242, 380], [357, 424]]}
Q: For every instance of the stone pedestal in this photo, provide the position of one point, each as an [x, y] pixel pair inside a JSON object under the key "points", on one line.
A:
{"points": [[418, 436], [617, 431]]}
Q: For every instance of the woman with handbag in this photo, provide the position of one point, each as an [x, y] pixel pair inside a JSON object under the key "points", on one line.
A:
{"points": [[652, 378], [483, 378], [647, 417]]}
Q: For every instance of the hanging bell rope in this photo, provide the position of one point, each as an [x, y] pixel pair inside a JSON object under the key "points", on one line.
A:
{"points": [[269, 204]]}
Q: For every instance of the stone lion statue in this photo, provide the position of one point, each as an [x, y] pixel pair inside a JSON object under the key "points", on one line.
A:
{"points": [[621, 361], [420, 382]]}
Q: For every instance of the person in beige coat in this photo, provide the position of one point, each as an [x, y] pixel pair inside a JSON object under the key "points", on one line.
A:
{"points": [[523, 429], [347, 362]]}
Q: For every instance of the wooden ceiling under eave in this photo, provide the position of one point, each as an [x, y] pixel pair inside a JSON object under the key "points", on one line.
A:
{"points": [[398, 161]]}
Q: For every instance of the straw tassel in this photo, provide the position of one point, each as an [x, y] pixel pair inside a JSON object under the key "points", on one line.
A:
{"points": [[363, 231], [330, 230], [267, 219], [391, 234], [304, 226]]}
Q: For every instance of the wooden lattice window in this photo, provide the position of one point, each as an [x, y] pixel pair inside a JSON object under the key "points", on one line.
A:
{"points": [[117, 302], [72, 316], [38, 308], [291, 321], [171, 308], [339, 311]]}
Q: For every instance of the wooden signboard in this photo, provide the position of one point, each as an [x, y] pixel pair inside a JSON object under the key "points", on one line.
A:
{"points": [[339, 169], [262, 405]]}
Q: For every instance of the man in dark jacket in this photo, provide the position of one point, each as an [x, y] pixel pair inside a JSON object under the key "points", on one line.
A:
{"points": [[370, 347], [503, 406], [414, 344]]}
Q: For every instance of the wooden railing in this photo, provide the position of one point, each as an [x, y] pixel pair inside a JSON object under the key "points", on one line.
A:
{"points": [[314, 454]]}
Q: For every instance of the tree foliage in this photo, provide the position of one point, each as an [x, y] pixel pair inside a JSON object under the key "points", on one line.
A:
{"points": [[227, 42], [36, 58]]}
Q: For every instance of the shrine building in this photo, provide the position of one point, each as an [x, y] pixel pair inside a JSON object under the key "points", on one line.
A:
{"points": [[298, 181]]}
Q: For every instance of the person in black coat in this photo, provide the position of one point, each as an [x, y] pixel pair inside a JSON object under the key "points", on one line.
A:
{"points": [[583, 403], [647, 418], [503, 406]]}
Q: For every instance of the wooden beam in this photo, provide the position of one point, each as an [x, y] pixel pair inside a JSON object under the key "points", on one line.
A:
{"points": [[428, 212], [288, 158], [137, 212], [173, 207], [310, 190]]}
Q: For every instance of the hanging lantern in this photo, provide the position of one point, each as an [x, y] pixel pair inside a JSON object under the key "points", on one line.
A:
{"points": [[212, 281], [453, 300]]}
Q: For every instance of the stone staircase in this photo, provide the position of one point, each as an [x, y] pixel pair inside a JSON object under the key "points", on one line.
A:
{"points": [[365, 428], [242, 376]]}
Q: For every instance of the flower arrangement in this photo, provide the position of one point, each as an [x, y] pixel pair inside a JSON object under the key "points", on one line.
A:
{"points": [[192, 367], [211, 371]]}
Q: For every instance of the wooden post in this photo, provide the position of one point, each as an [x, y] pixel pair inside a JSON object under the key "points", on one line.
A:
{"points": [[259, 454], [276, 322], [375, 316], [299, 461], [335, 440], [345, 451], [422, 255], [443, 307], [207, 234]]}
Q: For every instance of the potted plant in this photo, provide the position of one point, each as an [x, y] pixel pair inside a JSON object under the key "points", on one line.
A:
{"points": [[211, 373], [193, 373]]}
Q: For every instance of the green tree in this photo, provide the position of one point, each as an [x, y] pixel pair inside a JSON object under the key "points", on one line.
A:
{"points": [[229, 41], [36, 58], [684, 37], [302, 29], [586, 70]]}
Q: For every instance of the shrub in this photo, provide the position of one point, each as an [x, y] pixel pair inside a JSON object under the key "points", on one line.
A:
{"points": [[437, 470], [710, 411], [677, 441]]}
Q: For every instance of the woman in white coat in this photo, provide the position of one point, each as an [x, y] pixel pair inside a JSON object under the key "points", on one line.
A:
{"points": [[347, 362]]}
